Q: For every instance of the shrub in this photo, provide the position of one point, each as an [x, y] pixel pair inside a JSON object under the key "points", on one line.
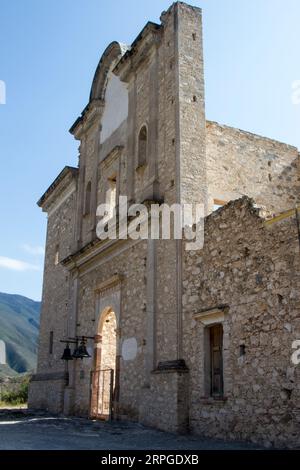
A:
{"points": [[17, 395]]}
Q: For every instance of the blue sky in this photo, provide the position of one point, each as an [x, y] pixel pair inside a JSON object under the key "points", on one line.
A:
{"points": [[49, 50]]}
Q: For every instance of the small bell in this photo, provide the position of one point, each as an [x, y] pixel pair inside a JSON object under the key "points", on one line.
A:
{"points": [[67, 356], [82, 351], [76, 354]]}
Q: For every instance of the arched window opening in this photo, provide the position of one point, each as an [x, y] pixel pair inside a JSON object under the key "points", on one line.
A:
{"points": [[142, 146], [87, 205]]}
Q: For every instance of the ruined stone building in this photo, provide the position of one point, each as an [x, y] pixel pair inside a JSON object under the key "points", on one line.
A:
{"points": [[197, 340]]}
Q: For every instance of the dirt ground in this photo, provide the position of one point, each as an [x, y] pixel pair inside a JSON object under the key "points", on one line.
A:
{"points": [[21, 429]]}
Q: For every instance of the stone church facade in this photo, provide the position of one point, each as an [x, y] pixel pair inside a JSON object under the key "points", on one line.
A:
{"points": [[182, 340]]}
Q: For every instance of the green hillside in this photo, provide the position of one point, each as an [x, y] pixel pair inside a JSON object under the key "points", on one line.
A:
{"points": [[19, 327], [7, 372]]}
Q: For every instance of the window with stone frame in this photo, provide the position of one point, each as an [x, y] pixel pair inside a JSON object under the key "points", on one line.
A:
{"points": [[214, 369], [142, 147]]}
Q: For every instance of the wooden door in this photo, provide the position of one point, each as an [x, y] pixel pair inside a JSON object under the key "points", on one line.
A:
{"points": [[216, 357]]}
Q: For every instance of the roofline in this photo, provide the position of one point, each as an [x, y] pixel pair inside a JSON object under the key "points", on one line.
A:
{"points": [[113, 52], [250, 134], [66, 170], [150, 26]]}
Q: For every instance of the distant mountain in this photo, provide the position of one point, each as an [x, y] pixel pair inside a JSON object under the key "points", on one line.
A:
{"points": [[19, 328], [7, 372]]}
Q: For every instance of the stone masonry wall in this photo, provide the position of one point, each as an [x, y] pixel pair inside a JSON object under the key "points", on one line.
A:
{"points": [[131, 265], [54, 305], [251, 267], [243, 164], [47, 394], [254, 270], [56, 286], [164, 405]]}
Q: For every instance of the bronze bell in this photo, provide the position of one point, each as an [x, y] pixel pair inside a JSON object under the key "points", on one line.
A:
{"points": [[76, 354], [82, 351], [67, 356]]}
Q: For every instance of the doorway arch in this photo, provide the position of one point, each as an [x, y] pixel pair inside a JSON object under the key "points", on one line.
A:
{"points": [[105, 375]]}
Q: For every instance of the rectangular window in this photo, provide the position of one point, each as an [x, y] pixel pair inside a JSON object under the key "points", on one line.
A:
{"points": [[51, 343], [216, 360]]}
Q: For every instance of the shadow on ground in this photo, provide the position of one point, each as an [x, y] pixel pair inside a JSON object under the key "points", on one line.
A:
{"points": [[22, 429]]}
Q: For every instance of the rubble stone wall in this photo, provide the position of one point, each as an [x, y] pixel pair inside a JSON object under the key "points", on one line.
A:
{"points": [[254, 270], [243, 164]]}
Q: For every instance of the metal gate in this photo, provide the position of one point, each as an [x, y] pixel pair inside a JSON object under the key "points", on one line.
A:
{"points": [[102, 390]]}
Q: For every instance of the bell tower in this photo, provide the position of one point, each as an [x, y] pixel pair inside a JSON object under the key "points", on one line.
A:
{"points": [[164, 73]]}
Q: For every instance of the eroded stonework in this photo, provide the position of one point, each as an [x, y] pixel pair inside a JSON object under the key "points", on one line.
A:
{"points": [[197, 340]]}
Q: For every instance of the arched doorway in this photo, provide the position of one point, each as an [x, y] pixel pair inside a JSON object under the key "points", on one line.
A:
{"points": [[104, 375]]}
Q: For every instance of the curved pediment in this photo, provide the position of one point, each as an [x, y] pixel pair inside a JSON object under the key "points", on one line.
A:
{"points": [[111, 56]]}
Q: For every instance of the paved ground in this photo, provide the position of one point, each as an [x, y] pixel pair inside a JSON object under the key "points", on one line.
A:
{"points": [[22, 430]]}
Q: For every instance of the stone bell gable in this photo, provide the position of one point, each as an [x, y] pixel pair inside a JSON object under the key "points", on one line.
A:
{"points": [[141, 98]]}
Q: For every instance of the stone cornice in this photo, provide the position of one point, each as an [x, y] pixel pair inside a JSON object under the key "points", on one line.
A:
{"points": [[108, 284], [90, 115], [212, 315], [89, 254], [148, 38], [113, 154], [54, 203], [61, 184]]}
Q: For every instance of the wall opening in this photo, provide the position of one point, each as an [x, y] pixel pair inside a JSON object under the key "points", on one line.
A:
{"points": [[214, 361], [105, 373], [111, 196], [142, 146], [87, 203]]}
